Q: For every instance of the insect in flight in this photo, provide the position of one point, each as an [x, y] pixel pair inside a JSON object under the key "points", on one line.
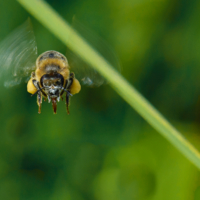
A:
{"points": [[50, 72], [52, 78]]}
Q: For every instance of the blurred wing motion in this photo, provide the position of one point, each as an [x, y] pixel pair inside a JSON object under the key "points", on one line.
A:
{"points": [[83, 72], [18, 53]]}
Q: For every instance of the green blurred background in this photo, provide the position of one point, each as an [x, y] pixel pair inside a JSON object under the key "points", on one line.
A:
{"points": [[104, 150]]}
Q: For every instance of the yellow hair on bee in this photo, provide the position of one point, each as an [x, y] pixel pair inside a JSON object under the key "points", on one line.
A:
{"points": [[64, 73], [52, 61], [41, 67]]}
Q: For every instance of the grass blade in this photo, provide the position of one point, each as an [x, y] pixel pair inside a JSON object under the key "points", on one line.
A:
{"points": [[61, 29]]}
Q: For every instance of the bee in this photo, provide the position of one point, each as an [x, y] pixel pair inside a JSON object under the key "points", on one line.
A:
{"points": [[52, 78], [49, 75]]}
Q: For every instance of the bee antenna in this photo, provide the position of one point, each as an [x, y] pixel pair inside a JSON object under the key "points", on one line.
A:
{"points": [[37, 91], [67, 91]]}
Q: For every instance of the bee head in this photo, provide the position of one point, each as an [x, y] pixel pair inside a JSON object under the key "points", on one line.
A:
{"points": [[52, 84]]}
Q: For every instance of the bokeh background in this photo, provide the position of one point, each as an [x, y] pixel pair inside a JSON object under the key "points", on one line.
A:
{"points": [[104, 150]]}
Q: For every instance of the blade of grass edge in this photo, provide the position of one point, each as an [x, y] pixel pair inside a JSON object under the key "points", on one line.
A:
{"points": [[60, 28]]}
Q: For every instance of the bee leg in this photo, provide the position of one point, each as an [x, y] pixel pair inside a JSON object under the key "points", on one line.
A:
{"points": [[33, 75], [74, 86], [67, 101], [39, 101], [63, 89], [68, 94], [72, 75], [37, 85], [70, 81]]}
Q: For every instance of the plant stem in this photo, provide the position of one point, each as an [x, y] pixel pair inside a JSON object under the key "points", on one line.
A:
{"points": [[60, 28]]}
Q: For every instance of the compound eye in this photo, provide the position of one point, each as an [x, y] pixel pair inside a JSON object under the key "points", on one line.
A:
{"points": [[57, 83], [46, 83]]}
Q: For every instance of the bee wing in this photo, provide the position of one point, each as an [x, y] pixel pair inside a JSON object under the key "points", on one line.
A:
{"points": [[18, 53], [83, 71]]}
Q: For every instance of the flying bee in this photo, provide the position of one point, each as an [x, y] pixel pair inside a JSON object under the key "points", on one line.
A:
{"points": [[52, 78], [49, 75]]}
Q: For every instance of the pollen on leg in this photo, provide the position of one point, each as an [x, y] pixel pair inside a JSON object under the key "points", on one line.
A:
{"points": [[75, 87], [30, 87]]}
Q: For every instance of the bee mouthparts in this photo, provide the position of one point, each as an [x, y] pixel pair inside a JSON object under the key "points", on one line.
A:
{"points": [[54, 104]]}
